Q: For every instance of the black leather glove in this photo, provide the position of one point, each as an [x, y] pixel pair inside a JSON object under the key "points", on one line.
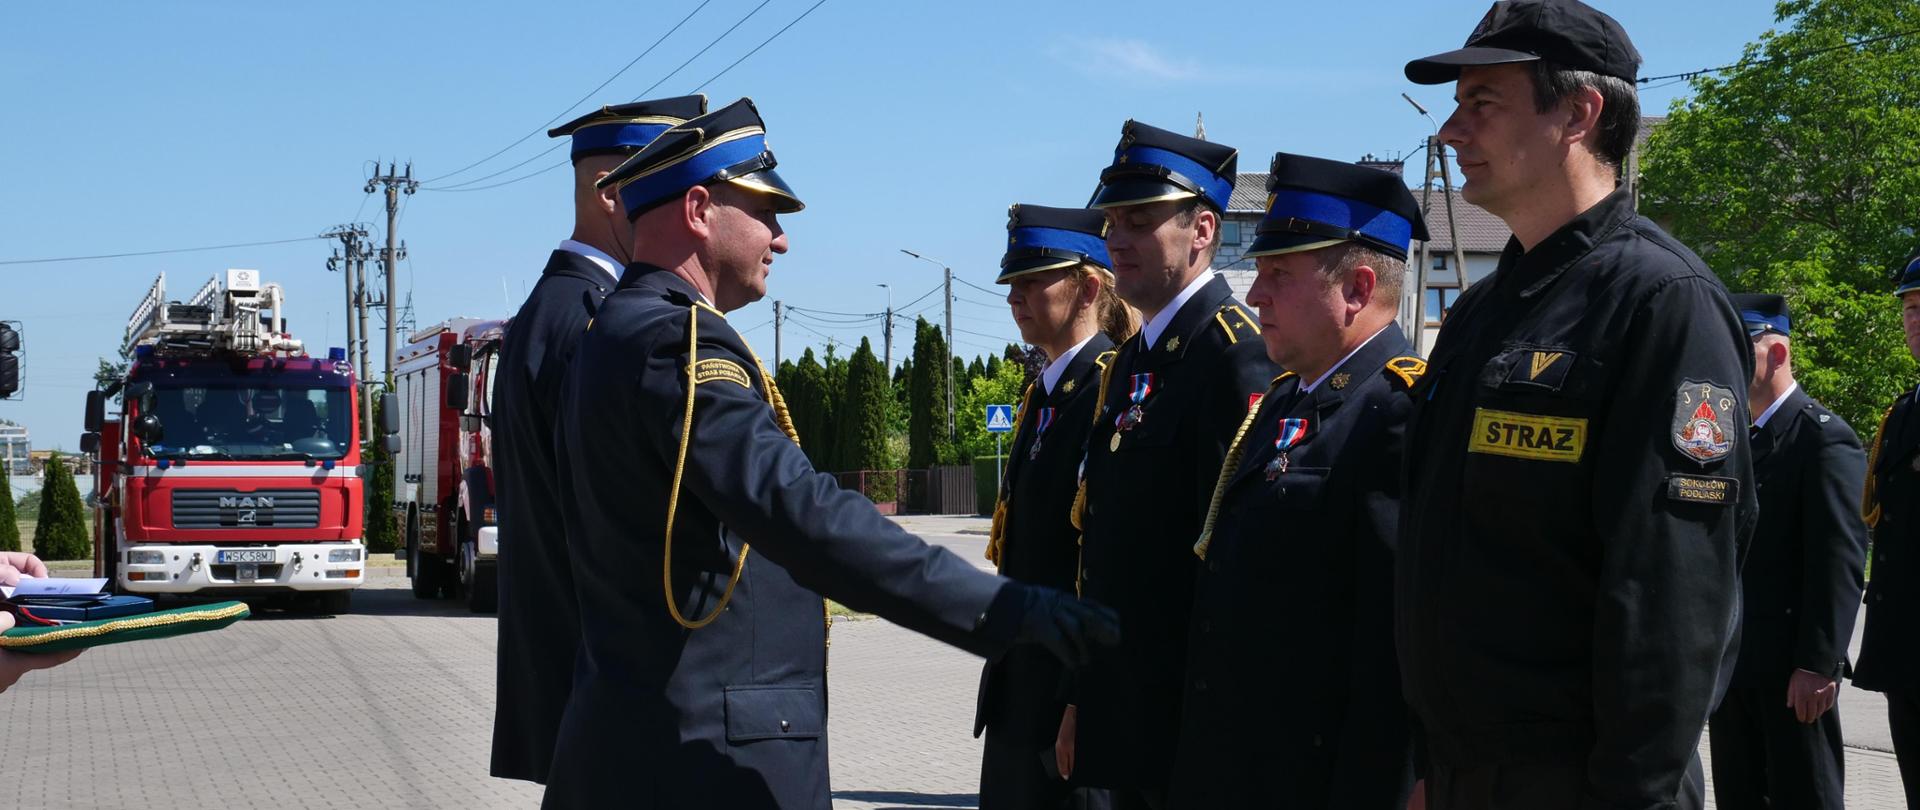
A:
{"points": [[1068, 627]]}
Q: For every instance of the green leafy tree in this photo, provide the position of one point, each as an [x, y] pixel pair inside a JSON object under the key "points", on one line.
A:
{"points": [[833, 398], [927, 443], [970, 422], [109, 373], [61, 533], [9, 521], [1799, 173], [863, 422], [975, 370], [804, 384], [382, 529]]}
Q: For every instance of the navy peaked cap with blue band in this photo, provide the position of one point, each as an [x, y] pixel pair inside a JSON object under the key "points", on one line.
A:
{"points": [[1043, 238], [1908, 279], [622, 129], [1314, 203], [1763, 313], [1152, 164], [728, 145]]}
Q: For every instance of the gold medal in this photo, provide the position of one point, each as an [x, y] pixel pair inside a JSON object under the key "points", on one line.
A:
{"points": [[1113, 445]]}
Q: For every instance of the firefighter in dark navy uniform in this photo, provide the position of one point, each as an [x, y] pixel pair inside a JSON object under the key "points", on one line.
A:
{"points": [[1061, 292], [1298, 545], [701, 540], [1580, 478], [539, 622], [1172, 398], [1889, 657], [1776, 736]]}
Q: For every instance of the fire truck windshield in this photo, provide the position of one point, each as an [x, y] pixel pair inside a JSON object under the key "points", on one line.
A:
{"points": [[258, 422]]}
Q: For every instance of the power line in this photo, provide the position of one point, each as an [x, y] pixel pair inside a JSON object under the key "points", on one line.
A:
{"points": [[922, 297], [602, 86], [756, 48], [158, 252], [978, 287], [643, 94], [862, 315], [1788, 57]]}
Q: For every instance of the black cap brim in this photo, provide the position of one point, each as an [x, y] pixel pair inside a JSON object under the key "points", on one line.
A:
{"points": [[1441, 68], [767, 182], [1136, 191], [1013, 268]]}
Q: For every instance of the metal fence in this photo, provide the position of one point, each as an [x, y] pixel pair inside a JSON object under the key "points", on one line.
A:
{"points": [[933, 491]]}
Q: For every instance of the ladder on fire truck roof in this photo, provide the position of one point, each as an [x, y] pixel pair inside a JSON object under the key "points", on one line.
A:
{"points": [[230, 318]]}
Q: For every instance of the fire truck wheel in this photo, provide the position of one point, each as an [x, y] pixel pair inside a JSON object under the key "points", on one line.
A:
{"points": [[429, 574], [482, 586]]}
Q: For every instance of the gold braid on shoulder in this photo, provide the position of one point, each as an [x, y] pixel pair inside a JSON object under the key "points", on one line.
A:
{"points": [[1227, 469], [781, 417], [996, 537], [1869, 496]]}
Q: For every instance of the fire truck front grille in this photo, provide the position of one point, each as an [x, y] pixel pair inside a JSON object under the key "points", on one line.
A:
{"points": [[232, 509]]}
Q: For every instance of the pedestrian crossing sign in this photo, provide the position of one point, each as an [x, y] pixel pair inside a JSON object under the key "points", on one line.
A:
{"points": [[999, 418]]}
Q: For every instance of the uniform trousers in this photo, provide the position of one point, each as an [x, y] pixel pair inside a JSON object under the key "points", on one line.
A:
{"points": [[1903, 719], [1763, 756], [1014, 777], [1534, 786]]}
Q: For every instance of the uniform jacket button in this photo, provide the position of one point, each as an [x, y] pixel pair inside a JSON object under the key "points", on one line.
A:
{"points": [[1879, 597], [1316, 741], [785, 726], [1206, 626], [1199, 686]]}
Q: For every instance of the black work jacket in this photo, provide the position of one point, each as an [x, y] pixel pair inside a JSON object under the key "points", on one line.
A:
{"points": [[1580, 490], [539, 623]]}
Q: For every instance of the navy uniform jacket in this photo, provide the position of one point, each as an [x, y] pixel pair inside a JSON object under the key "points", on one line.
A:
{"points": [[733, 714], [1293, 696], [1889, 658], [1143, 508], [1020, 693], [1567, 581], [1801, 582], [539, 622]]}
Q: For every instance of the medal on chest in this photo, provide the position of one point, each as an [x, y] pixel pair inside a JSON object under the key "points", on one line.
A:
{"points": [[1040, 432], [1292, 432], [1136, 412]]}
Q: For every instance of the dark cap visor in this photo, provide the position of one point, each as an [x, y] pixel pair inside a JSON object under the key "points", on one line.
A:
{"points": [[767, 182], [1441, 68]]}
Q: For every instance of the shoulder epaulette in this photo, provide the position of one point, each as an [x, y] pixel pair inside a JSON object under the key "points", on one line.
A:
{"points": [[1408, 369], [1231, 319], [1282, 378]]}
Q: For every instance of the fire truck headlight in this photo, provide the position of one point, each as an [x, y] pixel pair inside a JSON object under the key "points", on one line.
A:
{"points": [[146, 557], [340, 555]]}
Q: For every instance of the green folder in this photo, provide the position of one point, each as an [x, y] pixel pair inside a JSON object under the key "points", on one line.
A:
{"points": [[158, 624]]}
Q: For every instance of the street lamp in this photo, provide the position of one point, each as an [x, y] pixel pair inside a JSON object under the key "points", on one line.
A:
{"points": [[1436, 152], [949, 297]]}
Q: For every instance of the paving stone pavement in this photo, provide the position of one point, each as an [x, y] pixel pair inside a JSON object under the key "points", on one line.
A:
{"points": [[392, 706]]}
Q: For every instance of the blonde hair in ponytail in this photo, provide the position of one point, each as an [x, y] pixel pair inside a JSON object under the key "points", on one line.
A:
{"points": [[1115, 318]]}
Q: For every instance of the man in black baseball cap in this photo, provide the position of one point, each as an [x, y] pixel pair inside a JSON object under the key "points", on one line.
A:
{"points": [[1580, 480]]}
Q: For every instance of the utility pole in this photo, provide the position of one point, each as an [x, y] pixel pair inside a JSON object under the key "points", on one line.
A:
{"points": [[395, 184], [350, 260], [887, 329], [949, 369], [776, 334], [949, 297], [1436, 167]]}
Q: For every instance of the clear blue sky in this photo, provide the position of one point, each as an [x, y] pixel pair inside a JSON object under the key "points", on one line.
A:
{"points": [[143, 126]]}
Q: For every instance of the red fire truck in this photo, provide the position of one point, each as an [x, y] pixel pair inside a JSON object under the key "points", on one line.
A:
{"points": [[443, 481], [234, 466]]}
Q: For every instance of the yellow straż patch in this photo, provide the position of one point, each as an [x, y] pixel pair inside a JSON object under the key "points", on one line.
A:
{"points": [[1528, 435], [719, 368]]}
